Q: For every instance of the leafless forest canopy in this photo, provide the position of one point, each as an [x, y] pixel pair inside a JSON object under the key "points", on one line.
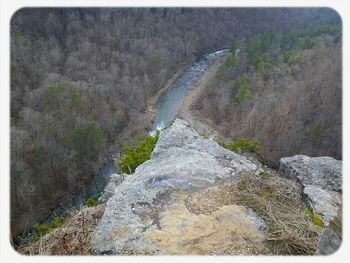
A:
{"points": [[81, 80], [283, 90]]}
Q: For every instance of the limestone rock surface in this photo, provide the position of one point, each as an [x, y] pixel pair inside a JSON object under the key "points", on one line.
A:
{"points": [[147, 213], [322, 202], [114, 181]]}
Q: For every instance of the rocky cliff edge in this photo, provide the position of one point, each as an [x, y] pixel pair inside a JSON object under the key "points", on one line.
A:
{"points": [[181, 200]]}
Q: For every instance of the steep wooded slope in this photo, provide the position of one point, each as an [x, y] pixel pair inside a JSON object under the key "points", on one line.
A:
{"points": [[290, 99]]}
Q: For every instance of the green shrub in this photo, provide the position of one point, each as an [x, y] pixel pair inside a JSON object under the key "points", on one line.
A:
{"points": [[265, 62], [57, 94], [231, 61], [242, 84], [85, 141], [305, 43], [305, 38], [234, 46], [75, 97], [54, 94], [90, 202], [57, 221], [333, 30], [137, 155], [293, 56], [286, 70], [257, 47], [21, 39], [43, 229], [244, 145], [292, 42], [288, 40], [264, 174], [315, 219]]}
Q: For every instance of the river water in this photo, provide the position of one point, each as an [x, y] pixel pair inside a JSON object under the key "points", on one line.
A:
{"points": [[170, 100]]}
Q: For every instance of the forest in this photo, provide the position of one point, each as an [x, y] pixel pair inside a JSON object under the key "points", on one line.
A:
{"points": [[280, 83], [81, 80]]}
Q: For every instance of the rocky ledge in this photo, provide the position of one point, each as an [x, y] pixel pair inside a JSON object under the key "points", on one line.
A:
{"points": [[321, 178], [178, 202]]}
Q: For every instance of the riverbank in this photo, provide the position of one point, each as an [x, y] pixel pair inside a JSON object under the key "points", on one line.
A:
{"points": [[150, 108], [167, 103], [199, 123]]}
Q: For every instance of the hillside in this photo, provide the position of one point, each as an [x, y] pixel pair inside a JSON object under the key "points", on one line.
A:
{"points": [[283, 90]]}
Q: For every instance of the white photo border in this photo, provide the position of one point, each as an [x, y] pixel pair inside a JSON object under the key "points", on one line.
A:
{"points": [[9, 7]]}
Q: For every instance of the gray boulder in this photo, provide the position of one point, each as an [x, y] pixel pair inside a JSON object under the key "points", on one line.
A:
{"points": [[325, 172], [331, 237], [150, 203], [322, 202], [321, 178]]}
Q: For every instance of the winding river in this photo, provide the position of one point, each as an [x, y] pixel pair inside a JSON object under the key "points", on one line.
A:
{"points": [[170, 100]]}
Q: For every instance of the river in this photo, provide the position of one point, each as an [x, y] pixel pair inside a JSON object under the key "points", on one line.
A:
{"points": [[170, 100]]}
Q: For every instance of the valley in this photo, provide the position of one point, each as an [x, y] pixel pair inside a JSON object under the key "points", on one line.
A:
{"points": [[118, 135]]}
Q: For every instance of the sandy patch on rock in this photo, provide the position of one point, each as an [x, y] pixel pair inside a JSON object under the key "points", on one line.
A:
{"points": [[228, 230]]}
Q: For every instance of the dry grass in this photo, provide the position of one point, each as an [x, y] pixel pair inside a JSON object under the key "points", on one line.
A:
{"points": [[210, 200], [279, 202], [72, 238]]}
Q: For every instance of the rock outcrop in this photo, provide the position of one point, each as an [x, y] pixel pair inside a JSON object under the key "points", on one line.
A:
{"points": [[321, 178], [178, 202], [322, 202], [148, 215], [325, 172]]}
